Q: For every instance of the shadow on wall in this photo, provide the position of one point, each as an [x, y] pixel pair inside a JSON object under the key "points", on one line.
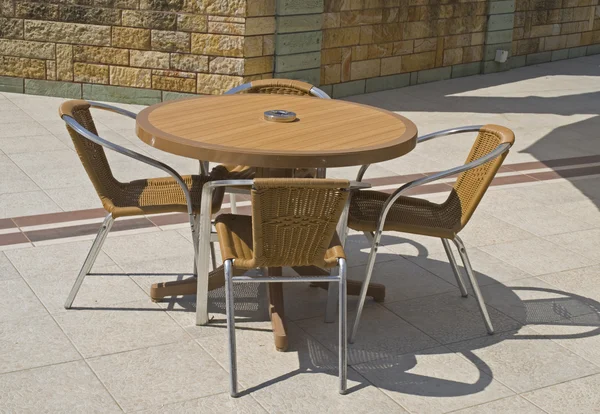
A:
{"points": [[580, 139]]}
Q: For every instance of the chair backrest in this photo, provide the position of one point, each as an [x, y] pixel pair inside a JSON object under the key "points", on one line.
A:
{"points": [[294, 220], [92, 155], [472, 184], [280, 86]]}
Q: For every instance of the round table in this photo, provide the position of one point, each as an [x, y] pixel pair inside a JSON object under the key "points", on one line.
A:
{"points": [[231, 129]]}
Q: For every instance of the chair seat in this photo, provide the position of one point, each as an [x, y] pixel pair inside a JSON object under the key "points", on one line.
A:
{"points": [[158, 195], [407, 215], [235, 239]]}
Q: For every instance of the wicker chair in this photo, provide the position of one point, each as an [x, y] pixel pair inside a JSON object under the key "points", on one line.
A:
{"points": [[293, 223], [269, 86], [140, 197], [373, 212]]}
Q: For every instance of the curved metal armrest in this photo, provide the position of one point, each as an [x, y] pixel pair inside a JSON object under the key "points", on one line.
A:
{"points": [[112, 108], [314, 91], [319, 93], [445, 132], [125, 151], [499, 150]]}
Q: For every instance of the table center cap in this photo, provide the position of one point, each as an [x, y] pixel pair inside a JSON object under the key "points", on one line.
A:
{"points": [[279, 115]]}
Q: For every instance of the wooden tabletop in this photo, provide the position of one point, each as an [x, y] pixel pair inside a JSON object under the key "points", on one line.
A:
{"points": [[231, 129]]}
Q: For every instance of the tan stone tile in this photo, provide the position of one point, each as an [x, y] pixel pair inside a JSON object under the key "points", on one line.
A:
{"points": [[221, 403], [515, 404], [577, 396]]}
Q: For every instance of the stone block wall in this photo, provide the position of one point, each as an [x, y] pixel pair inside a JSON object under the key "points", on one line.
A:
{"points": [[373, 45], [96, 48], [546, 30]]}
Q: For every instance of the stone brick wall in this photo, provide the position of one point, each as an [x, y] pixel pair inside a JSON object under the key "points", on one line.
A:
{"points": [[95, 48], [547, 30], [376, 44]]}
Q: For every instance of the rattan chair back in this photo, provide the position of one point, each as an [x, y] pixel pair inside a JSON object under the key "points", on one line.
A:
{"points": [[294, 221], [280, 86], [472, 184], [92, 155]]}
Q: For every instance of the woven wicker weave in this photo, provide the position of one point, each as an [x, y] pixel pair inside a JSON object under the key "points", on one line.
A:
{"points": [[418, 216], [148, 196], [293, 224]]}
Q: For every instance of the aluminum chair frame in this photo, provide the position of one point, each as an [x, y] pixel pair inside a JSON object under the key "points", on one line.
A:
{"points": [[109, 220], [376, 237]]}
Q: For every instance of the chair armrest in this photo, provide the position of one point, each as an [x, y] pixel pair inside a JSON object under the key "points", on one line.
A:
{"points": [[71, 122], [451, 131], [112, 108]]}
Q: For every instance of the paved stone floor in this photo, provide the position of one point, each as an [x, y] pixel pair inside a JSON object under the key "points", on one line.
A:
{"points": [[534, 241]]}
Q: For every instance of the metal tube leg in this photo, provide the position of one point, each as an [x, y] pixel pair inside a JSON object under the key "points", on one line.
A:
{"points": [[231, 328], [343, 339], [213, 255], [233, 203], [466, 262], [90, 259], [195, 223], [332, 290], [365, 286], [455, 269]]}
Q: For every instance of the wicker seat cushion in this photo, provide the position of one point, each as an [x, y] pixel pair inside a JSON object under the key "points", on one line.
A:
{"points": [[408, 215]]}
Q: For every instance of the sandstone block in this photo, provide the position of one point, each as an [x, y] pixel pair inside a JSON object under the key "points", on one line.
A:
{"points": [[260, 7], [224, 7], [387, 33], [22, 67], [453, 56], [226, 66], [331, 20], [418, 61], [90, 73], [37, 11], [162, 5], [365, 69], [473, 54], [260, 25], [380, 50], [217, 45], [268, 45], [106, 55], [64, 62], [425, 45], [11, 28], [346, 36], [258, 65], [220, 25], [360, 17], [81, 34], [168, 83], [123, 76], [7, 9], [24, 48], [330, 56], [191, 23], [170, 41], [150, 19], [189, 63], [128, 37], [331, 74], [366, 35], [403, 48], [91, 15], [391, 65], [212, 84], [253, 46], [147, 59], [360, 53], [51, 69]]}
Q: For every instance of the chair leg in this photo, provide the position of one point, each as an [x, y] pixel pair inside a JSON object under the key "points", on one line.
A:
{"points": [[455, 269], [195, 223], [90, 259], [466, 262], [228, 265], [365, 286], [232, 203], [343, 339]]}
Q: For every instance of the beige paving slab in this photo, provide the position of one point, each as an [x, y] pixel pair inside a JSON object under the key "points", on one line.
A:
{"points": [[14, 180], [585, 242], [484, 230], [19, 129], [71, 387], [381, 334], [37, 143], [303, 379], [537, 256], [488, 269], [577, 396], [7, 270], [403, 279], [33, 342], [523, 360], [221, 403], [533, 301], [119, 328], [146, 378], [27, 203], [81, 197], [64, 256], [582, 282], [587, 210], [546, 222], [433, 381], [515, 404], [19, 301], [449, 317]]}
